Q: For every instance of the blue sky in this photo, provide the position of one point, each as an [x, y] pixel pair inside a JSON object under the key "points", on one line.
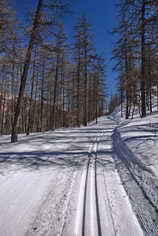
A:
{"points": [[102, 16]]}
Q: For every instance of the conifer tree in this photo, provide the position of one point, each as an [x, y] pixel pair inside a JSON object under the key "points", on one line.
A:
{"points": [[83, 53], [36, 26]]}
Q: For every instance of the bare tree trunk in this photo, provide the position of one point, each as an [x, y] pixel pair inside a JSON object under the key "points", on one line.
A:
{"points": [[62, 92], [3, 113], [25, 72], [12, 92], [34, 105], [55, 92], [85, 89], [31, 98], [143, 95], [42, 95], [121, 103], [78, 91], [127, 106]]}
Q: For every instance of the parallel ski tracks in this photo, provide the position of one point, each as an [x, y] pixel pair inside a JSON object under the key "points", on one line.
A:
{"points": [[88, 217]]}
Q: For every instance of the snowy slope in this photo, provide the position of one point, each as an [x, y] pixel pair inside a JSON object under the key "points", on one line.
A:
{"points": [[136, 144], [140, 135], [42, 180]]}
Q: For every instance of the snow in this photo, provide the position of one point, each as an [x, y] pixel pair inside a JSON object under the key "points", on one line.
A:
{"points": [[79, 209], [141, 137], [42, 179], [29, 170], [120, 208], [135, 145], [20, 198]]}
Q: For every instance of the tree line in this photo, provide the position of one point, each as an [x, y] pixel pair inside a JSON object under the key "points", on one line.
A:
{"points": [[136, 55], [46, 82]]}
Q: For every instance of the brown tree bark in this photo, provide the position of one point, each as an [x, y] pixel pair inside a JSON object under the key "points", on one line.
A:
{"points": [[143, 94], [14, 137]]}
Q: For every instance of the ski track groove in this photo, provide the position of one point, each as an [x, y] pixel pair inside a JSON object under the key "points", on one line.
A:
{"points": [[89, 191], [90, 178]]}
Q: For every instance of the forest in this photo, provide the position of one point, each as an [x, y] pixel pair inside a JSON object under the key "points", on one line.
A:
{"points": [[78, 118], [136, 56], [49, 80], [46, 83]]}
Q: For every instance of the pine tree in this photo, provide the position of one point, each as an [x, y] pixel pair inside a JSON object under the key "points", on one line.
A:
{"points": [[137, 21], [83, 52], [38, 23]]}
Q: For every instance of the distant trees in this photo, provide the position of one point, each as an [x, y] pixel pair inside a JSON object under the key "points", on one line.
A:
{"points": [[9, 62], [89, 72], [83, 48], [44, 82], [134, 51], [114, 102]]}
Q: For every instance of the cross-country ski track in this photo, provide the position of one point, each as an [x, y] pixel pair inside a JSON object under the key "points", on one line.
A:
{"points": [[73, 182]]}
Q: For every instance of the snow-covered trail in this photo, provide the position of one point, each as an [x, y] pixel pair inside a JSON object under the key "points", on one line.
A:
{"points": [[64, 183], [102, 205]]}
